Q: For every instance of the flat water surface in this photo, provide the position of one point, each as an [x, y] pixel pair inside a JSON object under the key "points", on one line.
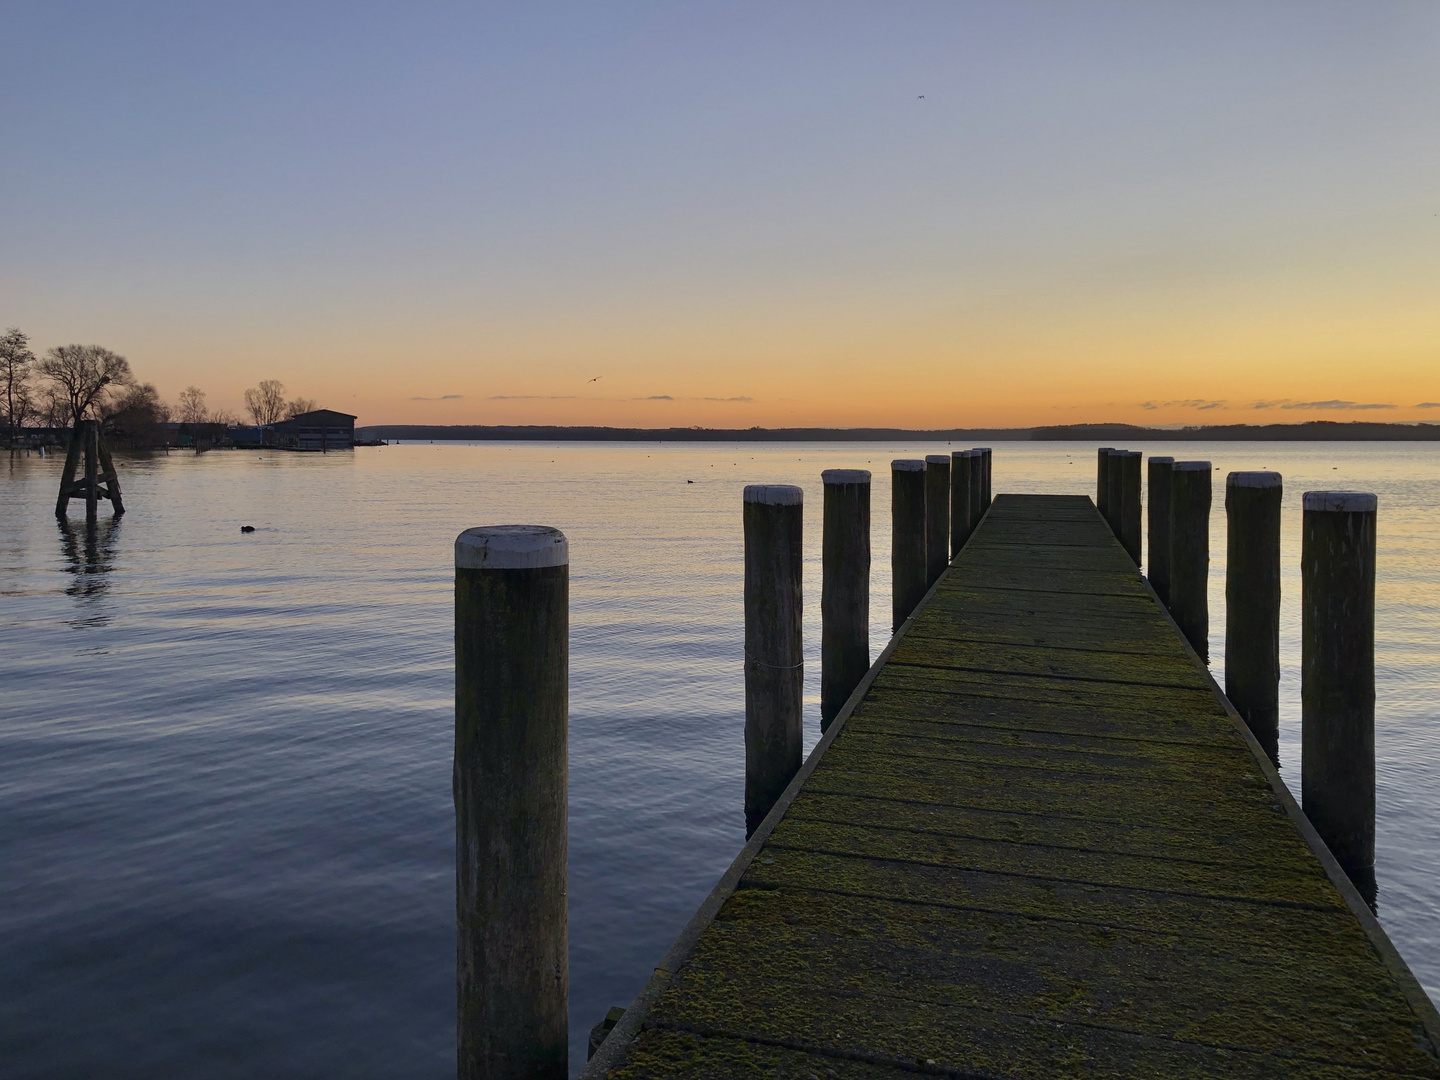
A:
{"points": [[226, 828]]}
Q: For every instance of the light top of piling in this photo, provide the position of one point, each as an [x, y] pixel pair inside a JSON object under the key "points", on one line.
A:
{"points": [[907, 465], [1154, 460], [846, 476], [1253, 480], [982, 450], [1106, 450], [1192, 466], [774, 494], [937, 459], [1351, 502], [511, 547], [966, 453]]}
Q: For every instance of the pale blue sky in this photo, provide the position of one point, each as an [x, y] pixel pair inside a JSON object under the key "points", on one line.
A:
{"points": [[736, 200]]}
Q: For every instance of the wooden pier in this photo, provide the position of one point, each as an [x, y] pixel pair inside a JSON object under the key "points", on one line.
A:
{"points": [[1036, 842]]}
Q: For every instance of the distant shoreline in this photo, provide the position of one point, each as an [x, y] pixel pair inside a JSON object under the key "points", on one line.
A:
{"points": [[1310, 431]]}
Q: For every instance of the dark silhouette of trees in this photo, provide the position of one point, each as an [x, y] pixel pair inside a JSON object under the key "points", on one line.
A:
{"points": [[191, 408], [266, 403], [138, 417], [86, 376], [298, 406], [17, 364]]}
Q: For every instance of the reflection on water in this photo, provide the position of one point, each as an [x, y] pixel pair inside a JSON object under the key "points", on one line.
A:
{"points": [[89, 553], [227, 836]]}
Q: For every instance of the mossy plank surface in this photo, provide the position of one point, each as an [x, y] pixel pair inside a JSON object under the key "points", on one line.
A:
{"points": [[1038, 848]]}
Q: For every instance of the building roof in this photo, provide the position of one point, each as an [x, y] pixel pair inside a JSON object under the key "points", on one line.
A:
{"points": [[319, 416]]}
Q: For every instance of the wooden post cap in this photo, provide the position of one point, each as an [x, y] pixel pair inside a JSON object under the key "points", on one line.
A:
{"points": [[1157, 460], [937, 459], [1253, 479], [846, 476], [511, 547], [1344, 502], [908, 465], [774, 494]]}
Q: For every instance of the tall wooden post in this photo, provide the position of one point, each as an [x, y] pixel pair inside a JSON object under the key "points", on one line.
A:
{"points": [[1190, 552], [1128, 463], [1337, 677], [907, 537], [1102, 482], [960, 522], [1252, 603], [1115, 485], [774, 660], [92, 469], [510, 786], [977, 488], [1157, 508], [985, 484], [844, 589], [937, 516]]}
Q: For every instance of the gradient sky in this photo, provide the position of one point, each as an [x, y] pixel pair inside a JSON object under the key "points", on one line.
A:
{"points": [[737, 214]]}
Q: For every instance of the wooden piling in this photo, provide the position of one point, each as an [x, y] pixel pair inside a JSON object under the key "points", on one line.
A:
{"points": [[774, 661], [960, 523], [67, 472], [985, 473], [1190, 552], [844, 589], [1115, 489], [1102, 481], [937, 516], [510, 787], [1128, 466], [907, 537], [1337, 677], [92, 469], [1157, 509], [977, 487], [1252, 603]]}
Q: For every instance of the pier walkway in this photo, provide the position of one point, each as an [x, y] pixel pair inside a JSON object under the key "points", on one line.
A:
{"points": [[1036, 844]]}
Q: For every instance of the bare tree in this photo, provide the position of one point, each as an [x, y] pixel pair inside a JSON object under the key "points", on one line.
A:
{"points": [[224, 416], [266, 403], [191, 409], [53, 407], [86, 375], [137, 418], [16, 362], [298, 406]]}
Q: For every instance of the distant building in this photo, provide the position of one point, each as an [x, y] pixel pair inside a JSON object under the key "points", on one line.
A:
{"points": [[323, 429], [247, 435]]}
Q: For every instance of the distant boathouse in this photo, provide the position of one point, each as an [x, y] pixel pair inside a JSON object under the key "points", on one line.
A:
{"points": [[321, 430]]}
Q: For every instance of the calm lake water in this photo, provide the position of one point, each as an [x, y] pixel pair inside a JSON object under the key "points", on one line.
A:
{"points": [[225, 821]]}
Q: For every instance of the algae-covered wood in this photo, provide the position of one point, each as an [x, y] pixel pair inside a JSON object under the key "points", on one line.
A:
{"points": [[1039, 846]]}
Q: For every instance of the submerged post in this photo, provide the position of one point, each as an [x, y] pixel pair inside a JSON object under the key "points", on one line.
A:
{"points": [[985, 486], [510, 785], [937, 516], [844, 589], [1337, 677], [1102, 481], [774, 662], [959, 500], [1128, 464], [1252, 603], [1190, 552], [1157, 509], [907, 537]]}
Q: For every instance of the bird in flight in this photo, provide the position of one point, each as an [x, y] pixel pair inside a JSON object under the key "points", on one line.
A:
{"points": [[920, 98], [597, 378]]}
